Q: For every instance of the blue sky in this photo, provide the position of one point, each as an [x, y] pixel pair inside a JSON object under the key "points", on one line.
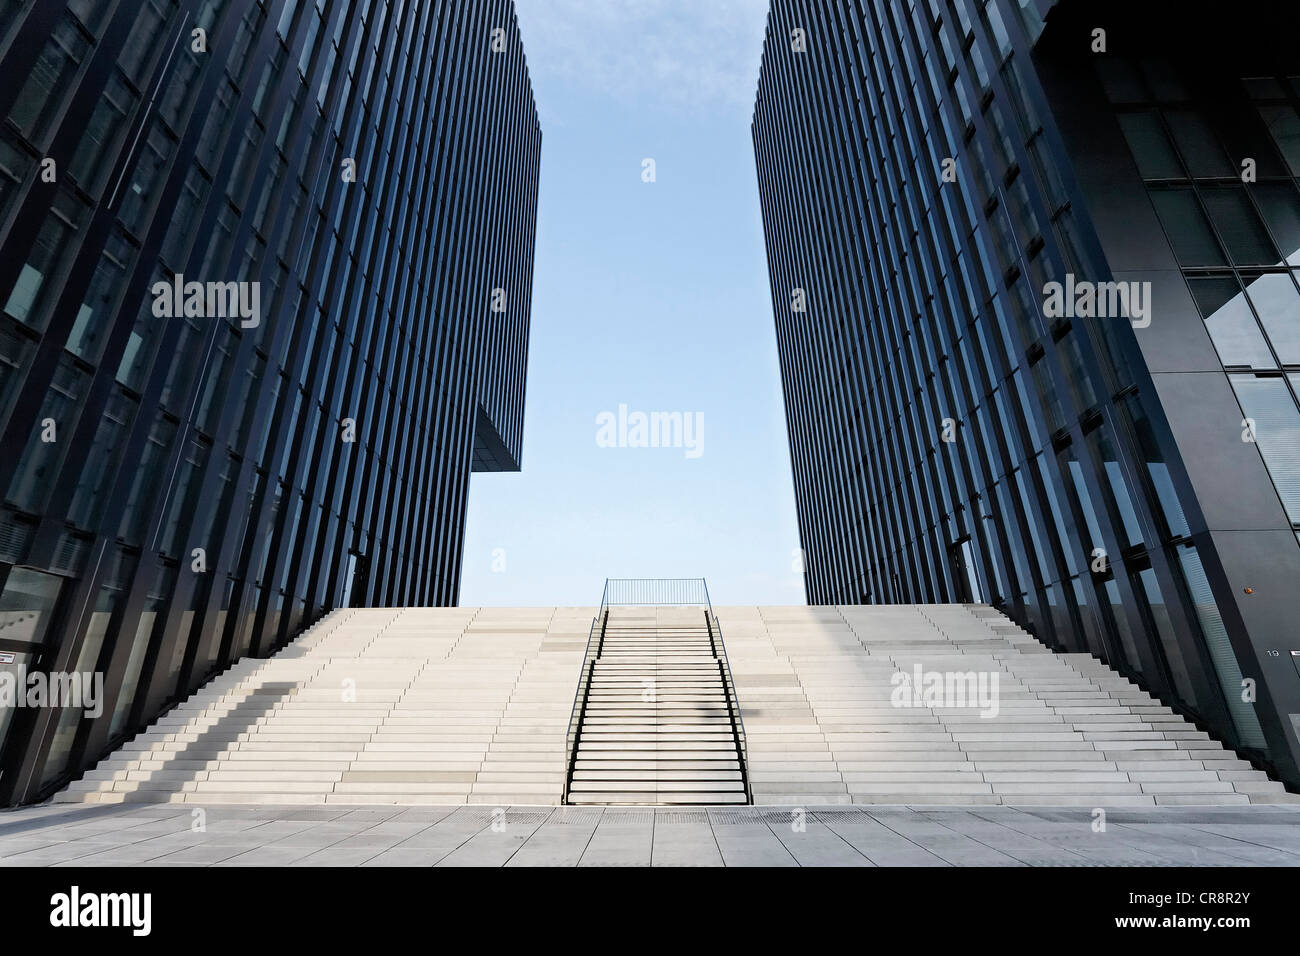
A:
{"points": [[649, 295]]}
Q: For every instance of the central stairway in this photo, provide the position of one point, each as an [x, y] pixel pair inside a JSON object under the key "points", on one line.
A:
{"points": [[656, 719]]}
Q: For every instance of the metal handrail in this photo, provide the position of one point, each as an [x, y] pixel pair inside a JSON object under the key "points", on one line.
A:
{"points": [[580, 695], [636, 592], [733, 702]]}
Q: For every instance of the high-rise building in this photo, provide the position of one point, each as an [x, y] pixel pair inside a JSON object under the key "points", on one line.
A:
{"points": [[265, 268], [1034, 267]]}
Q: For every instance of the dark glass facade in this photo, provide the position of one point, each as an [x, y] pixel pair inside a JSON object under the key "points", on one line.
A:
{"points": [[185, 488], [1122, 479]]}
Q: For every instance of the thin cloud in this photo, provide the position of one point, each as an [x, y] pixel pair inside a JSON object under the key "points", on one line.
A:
{"points": [[653, 54]]}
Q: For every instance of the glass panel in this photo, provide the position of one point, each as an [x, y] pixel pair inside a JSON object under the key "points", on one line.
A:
{"points": [[14, 165], [144, 39], [133, 369], [1200, 149], [1150, 146], [40, 100], [184, 218], [1187, 228], [93, 318], [15, 357], [47, 259], [1120, 79], [33, 479], [56, 763], [1119, 614], [100, 470], [1284, 125], [1130, 531], [1145, 582], [27, 605], [1157, 469], [145, 179], [1278, 304], [179, 91], [144, 483], [1239, 226], [1269, 403], [92, 13], [183, 494], [1231, 324], [154, 605], [102, 134], [1226, 667], [16, 672], [1280, 204]]}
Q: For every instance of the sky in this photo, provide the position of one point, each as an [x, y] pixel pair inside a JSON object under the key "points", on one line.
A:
{"points": [[651, 295]]}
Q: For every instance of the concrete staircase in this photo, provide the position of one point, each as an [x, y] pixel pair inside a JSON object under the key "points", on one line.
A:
{"points": [[657, 725], [388, 706], [466, 705], [815, 684]]}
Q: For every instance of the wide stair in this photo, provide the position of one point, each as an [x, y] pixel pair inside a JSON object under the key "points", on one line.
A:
{"points": [[825, 723], [370, 706], [657, 722]]}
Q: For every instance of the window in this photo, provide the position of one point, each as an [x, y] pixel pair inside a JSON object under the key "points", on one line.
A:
{"points": [[15, 357], [1278, 304], [1231, 324], [178, 92], [41, 98], [70, 718], [146, 178], [144, 483], [1280, 204], [1146, 585], [1226, 668], [91, 13], [1129, 529], [154, 605], [101, 136], [14, 166], [48, 257], [1187, 228], [286, 18], [1239, 226], [87, 336], [182, 496], [133, 369], [145, 39], [185, 218], [1157, 469], [1196, 141], [1150, 146], [214, 128], [1268, 402], [1284, 126], [33, 479], [100, 468], [27, 605], [190, 352]]}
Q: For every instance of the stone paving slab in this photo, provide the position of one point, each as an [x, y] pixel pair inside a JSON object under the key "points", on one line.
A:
{"points": [[877, 835]]}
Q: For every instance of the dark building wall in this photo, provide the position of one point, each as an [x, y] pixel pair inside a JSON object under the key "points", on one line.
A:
{"points": [[319, 457], [951, 438]]}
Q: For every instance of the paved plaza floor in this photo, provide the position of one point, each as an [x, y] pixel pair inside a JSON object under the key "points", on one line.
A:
{"points": [[482, 835]]}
